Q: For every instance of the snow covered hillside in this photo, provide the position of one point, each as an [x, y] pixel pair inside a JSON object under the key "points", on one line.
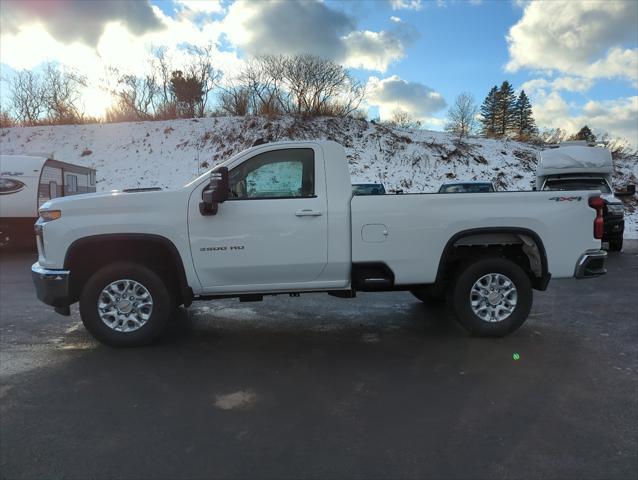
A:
{"points": [[169, 154]]}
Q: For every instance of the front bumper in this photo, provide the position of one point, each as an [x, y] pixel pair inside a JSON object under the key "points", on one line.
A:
{"points": [[52, 287], [591, 264]]}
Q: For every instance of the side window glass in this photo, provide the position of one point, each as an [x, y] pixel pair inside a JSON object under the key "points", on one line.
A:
{"points": [[288, 173], [280, 179]]}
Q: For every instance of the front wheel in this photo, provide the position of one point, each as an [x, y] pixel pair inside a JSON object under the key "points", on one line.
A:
{"points": [[125, 305], [492, 297]]}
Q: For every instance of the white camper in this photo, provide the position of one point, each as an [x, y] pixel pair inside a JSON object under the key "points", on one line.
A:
{"points": [[575, 160], [578, 165], [26, 182]]}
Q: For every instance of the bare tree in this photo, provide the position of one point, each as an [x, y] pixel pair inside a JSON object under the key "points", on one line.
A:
{"points": [[61, 90], [202, 69], [319, 86], [619, 147], [135, 96], [235, 100], [462, 115], [402, 119], [300, 84], [27, 97], [6, 120], [162, 66], [263, 78], [553, 135]]}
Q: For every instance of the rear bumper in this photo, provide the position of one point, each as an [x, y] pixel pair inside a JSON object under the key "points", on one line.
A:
{"points": [[51, 286], [591, 264]]}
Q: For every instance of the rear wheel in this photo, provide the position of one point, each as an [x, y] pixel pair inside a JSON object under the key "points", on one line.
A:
{"points": [[491, 297], [125, 305], [615, 245]]}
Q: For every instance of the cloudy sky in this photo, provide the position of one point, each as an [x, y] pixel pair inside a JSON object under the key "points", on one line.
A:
{"points": [[578, 61]]}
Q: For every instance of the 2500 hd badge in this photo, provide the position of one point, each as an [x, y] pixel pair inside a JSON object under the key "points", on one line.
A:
{"points": [[214, 249]]}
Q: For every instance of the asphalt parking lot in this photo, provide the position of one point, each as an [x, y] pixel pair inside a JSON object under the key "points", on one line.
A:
{"points": [[377, 387]]}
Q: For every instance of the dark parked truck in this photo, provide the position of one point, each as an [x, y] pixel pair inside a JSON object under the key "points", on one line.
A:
{"points": [[26, 182], [470, 186], [368, 189]]}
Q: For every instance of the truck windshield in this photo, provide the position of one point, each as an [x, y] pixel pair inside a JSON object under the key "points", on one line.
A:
{"points": [[578, 184]]}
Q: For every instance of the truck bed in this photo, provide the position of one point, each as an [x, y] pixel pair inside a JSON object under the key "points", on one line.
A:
{"points": [[406, 231]]}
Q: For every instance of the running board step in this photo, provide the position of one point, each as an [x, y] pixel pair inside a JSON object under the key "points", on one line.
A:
{"points": [[376, 283]]}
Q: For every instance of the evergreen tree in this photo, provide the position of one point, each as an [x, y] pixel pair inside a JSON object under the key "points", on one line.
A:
{"points": [[188, 91], [505, 109], [524, 123], [586, 134], [488, 113]]}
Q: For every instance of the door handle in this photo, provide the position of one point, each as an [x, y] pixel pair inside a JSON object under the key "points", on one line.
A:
{"points": [[307, 213]]}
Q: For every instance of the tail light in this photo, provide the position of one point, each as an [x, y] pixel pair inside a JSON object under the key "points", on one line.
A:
{"points": [[598, 204]]}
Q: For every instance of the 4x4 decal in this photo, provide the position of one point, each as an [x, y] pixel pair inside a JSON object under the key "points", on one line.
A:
{"points": [[566, 199]]}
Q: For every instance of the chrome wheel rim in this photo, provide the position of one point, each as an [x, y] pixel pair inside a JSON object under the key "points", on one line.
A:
{"points": [[125, 305], [493, 297]]}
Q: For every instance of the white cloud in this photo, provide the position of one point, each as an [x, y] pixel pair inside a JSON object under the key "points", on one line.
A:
{"points": [[310, 27], [542, 86], [78, 20], [393, 93], [406, 4], [578, 38], [372, 50], [202, 6], [315, 28], [618, 117]]}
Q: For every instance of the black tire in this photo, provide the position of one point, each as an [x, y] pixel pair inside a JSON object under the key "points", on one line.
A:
{"points": [[615, 245], [460, 297], [429, 295], [162, 308]]}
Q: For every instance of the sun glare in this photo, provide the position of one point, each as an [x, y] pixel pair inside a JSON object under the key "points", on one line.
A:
{"points": [[96, 101]]}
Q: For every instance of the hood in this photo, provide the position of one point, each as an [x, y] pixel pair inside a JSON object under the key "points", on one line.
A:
{"points": [[120, 201]]}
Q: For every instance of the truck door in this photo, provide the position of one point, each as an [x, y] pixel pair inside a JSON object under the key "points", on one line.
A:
{"points": [[272, 231]]}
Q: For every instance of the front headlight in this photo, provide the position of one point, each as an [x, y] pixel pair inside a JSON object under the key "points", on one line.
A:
{"points": [[48, 215], [615, 209]]}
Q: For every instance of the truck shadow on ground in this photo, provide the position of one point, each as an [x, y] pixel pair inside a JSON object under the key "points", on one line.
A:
{"points": [[414, 319]]}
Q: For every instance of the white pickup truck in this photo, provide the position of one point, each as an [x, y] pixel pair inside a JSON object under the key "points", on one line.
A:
{"points": [[280, 218]]}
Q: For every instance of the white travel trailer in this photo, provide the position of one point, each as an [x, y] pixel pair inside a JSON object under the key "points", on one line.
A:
{"points": [[26, 182]]}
